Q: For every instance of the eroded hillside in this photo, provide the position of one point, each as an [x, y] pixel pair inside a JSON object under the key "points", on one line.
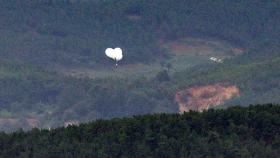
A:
{"points": [[203, 97]]}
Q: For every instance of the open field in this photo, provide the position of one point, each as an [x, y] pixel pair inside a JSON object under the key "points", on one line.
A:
{"points": [[184, 54], [180, 62]]}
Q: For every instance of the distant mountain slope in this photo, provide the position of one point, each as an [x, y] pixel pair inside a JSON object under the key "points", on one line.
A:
{"points": [[257, 77], [235, 132], [73, 34], [77, 32], [33, 97]]}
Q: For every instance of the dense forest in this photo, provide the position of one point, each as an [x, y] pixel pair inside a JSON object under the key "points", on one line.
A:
{"points": [[37, 36], [235, 132]]}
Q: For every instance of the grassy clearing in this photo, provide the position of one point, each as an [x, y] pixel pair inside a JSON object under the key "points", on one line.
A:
{"points": [[178, 63], [185, 53]]}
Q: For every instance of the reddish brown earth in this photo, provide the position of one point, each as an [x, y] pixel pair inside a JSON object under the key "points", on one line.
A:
{"points": [[237, 51], [202, 97], [179, 48], [16, 122], [32, 122], [201, 47]]}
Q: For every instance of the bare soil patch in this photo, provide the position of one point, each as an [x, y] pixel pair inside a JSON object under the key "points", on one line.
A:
{"points": [[203, 97]]}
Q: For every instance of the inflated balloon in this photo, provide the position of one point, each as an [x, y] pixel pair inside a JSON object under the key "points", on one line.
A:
{"points": [[115, 54]]}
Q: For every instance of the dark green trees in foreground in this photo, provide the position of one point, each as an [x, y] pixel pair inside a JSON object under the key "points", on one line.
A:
{"points": [[236, 132]]}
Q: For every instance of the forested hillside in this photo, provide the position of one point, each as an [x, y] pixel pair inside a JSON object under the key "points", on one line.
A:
{"points": [[166, 45], [66, 32], [257, 79], [236, 132], [32, 97]]}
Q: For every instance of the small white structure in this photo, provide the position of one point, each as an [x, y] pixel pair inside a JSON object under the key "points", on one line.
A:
{"points": [[71, 123], [217, 60]]}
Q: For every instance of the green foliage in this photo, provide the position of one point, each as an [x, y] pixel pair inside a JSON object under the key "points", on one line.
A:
{"points": [[27, 92], [235, 132], [162, 76], [77, 32], [256, 78], [30, 92]]}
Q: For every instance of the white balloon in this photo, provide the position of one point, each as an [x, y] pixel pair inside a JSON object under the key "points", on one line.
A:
{"points": [[109, 53], [115, 54]]}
